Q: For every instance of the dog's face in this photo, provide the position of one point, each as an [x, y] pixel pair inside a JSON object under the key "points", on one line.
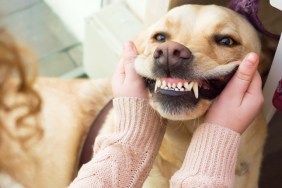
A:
{"points": [[188, 57]]}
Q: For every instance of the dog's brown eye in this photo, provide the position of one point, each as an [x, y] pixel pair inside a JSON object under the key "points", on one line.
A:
{"points": [[160, 37], [225, 41]]}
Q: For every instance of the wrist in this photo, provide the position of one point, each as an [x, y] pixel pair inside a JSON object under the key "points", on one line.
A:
{"points": [[137, 122], [215, 146], [237, 128]]}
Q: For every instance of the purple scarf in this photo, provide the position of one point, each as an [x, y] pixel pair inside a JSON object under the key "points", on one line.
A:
{"points": [[249, 9]]}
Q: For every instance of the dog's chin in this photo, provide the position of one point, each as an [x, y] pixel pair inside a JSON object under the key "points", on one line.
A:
{"points": [[175, 111], [180, 99]]}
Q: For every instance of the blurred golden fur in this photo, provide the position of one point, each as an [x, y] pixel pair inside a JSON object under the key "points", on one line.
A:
{"points": [[43, 121], [16, 91]]}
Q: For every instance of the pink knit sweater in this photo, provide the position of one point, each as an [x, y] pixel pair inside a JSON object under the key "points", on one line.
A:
{"points": [[125, 158]]}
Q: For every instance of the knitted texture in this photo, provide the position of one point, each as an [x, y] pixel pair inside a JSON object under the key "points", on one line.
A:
{"points": [[124, 158], [210, 160]]}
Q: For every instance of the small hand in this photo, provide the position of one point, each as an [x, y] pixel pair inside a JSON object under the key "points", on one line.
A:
{"points": [[242, 98], [125, 81]]}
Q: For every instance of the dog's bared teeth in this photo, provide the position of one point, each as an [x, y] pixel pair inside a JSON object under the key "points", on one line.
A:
{"points": [[179, 85], [188, 86], [196, 89]]}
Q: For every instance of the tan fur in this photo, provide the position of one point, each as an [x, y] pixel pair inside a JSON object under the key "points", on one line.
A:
{"points": [[69, 106]]}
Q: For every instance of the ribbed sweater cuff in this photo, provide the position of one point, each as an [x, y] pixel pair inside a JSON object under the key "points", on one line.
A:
{"points": [[211, 154], [137, 122]]}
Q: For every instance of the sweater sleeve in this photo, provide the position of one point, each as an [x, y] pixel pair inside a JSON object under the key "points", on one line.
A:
{"points": [[125, 157], [210, 159]]}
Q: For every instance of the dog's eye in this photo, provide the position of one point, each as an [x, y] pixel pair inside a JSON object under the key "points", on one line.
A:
{"points": [[225, 41], [160, 37]]}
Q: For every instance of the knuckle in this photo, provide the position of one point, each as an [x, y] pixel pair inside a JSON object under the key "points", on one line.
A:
{"points": [[245, 76]]}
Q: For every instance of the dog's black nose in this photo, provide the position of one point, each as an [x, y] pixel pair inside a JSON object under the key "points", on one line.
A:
{"points": [[172, 54]]}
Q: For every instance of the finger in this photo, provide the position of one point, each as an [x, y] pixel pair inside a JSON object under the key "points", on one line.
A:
{"points": [[254, 96], [242, 79], [129, 62], [128, 55], [255, 85], [129, 52]]}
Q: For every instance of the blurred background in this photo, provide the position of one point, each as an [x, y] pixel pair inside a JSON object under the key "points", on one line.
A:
{"points": [[83, 38]]}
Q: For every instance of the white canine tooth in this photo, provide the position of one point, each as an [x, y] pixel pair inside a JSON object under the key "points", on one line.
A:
{"points": [[164, 83], [179, 85], [173, 85], [156, 87], [158, 83], [196, 89], [182, 89], [176, 89], [166, 88], [187, 86]]}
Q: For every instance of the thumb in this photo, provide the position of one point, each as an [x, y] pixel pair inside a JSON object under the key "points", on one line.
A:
{"points": [[130, 53], [243, 76]]}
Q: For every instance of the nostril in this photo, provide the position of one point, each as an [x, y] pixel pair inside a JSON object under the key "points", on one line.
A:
{"points": [[180, 52], [158, 53], [176, 53]]}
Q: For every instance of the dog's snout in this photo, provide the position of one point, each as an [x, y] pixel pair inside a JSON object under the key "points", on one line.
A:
{"points": [[172, 54]]}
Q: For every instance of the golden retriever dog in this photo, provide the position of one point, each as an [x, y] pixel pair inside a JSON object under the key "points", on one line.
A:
{"points": [[186, 59]]}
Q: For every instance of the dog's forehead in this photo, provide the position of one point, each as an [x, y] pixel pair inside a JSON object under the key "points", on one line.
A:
{"points": [[200, 16], [200, 23]]}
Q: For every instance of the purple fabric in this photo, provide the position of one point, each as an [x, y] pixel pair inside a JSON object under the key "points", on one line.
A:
{"points": [[249, 9], [277, 97]]}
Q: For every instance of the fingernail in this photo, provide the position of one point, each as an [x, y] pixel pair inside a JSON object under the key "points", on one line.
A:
{"points": [[127, 46], [251, 59]]}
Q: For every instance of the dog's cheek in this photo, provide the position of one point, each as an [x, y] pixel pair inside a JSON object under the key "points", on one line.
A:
{"points": [[143, 66]]}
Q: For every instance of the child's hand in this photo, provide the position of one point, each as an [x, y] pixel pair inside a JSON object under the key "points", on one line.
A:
{"points": [[241, 100], [125, 81]]}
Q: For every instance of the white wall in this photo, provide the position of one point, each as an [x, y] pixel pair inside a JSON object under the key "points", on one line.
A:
{"points": [[271, 83], [74, 12]]}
